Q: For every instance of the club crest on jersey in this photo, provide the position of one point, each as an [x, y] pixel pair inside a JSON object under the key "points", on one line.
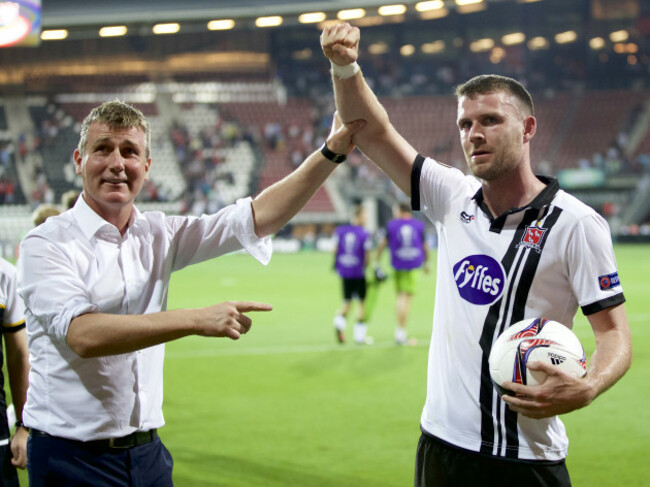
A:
{"points": [[609, 281], [480, 279], [466, 217], [532, 238]]}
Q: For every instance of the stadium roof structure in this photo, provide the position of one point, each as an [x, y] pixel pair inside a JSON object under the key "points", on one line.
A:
{"points": [[583, 39], [70, 13], [81, 12]]}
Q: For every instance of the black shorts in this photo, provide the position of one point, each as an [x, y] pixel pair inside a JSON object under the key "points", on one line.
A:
{"points": [[439, 464], [354, 288], [8, 473]]}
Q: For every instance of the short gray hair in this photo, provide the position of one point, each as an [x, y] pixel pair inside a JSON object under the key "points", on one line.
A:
{"points": [[117, 114]]}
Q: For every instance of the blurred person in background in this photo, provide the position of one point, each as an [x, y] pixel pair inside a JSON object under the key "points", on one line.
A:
{"points": [[95, 281], [43, 212], [352, 255], [69, 198], [13, 449], [405, 239]]}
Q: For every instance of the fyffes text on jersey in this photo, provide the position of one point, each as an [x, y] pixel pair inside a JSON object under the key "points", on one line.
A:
{"points": [[480, 279]]}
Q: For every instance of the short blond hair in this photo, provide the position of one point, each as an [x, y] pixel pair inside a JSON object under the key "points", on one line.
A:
{"points": [[69, 198], [43, 212]]}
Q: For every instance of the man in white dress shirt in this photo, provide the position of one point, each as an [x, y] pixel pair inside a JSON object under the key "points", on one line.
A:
{"points": [[95, 281]]}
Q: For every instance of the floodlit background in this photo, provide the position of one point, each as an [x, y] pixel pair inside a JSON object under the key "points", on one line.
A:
{"points": [[238, 94]]}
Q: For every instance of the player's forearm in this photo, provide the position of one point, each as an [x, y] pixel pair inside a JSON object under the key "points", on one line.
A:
{"points": [[378, 140], [101, 334], [18, 372], [18, 382], [611, 360], [281, 201], [356, 101]]}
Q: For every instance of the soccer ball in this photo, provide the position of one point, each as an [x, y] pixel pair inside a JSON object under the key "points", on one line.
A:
{"points": [[534, 340]]}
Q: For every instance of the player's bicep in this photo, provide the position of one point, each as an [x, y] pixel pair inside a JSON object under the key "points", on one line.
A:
{"points": [[609, 319]]}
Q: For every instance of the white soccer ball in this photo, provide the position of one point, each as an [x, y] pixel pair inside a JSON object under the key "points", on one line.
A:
{"points": [[534, 340]]}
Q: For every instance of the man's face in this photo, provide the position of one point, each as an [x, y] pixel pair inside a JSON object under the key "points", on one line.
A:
{"points": [[492, 129], [113, 168]]}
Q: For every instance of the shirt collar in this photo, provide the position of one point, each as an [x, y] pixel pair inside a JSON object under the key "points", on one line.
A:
{"points": [[540, 201], [90, 222]]}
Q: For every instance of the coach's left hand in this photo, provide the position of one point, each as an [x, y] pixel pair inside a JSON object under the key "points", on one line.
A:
{"points": [[339, 139]]}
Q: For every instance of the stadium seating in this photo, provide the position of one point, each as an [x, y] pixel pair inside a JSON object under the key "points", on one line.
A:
{"points": [[599, 117], [280, 142], [272, 137]]}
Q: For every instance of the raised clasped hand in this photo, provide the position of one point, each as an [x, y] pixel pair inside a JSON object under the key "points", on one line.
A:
{"points": [[340, 43]]}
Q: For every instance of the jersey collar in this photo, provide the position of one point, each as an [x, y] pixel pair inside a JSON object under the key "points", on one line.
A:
{"points": [[543, 199]]}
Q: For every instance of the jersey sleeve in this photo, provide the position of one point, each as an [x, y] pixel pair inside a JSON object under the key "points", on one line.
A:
{"points": [[592, 265], [434, 185]]}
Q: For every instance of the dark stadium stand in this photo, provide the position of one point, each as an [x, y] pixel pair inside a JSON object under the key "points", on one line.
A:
{"points": [[282, 129], [592, 106], [598, 118], [79, 110], [3, 119]]}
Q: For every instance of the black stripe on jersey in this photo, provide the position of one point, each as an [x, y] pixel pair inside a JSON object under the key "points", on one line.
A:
{"points": [[515, 302], [603, 304], [13, 328], [486, 394], [518, 308], [416, 171]]}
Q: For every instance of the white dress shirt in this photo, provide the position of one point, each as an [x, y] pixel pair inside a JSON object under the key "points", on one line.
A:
{"points": [[78, 263]]}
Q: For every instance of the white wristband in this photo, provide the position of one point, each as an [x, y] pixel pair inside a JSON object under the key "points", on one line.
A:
{"points": [[345, 72]]}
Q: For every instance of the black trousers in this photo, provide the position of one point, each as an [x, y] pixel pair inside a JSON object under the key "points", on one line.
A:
{"points": [[58, 462], [439, 464]]}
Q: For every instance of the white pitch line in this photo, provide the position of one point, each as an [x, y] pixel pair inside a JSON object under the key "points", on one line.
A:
{"points": [[238, 352]]}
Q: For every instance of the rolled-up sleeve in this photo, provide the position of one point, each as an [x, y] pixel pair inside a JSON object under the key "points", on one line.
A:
{"points": [[52, 292], [241, 219], [197, 239]]}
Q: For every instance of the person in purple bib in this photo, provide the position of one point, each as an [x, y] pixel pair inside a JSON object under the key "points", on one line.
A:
{"points": [[352, 256], [405, 237]]}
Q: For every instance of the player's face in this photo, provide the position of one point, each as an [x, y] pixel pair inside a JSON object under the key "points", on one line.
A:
{"points": [[491, 133], [113, 168]]}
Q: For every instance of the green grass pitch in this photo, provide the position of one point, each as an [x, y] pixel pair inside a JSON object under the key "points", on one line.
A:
{"points": [[287, 406]]}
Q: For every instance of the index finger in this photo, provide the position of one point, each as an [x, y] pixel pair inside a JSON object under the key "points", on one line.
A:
{"points": [[245, 306]]}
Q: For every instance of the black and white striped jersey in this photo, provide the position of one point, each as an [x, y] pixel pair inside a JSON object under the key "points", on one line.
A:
{"points": [[542, 260]]}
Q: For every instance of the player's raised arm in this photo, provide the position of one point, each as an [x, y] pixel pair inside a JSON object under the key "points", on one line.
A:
{"points": [[355, 100]]}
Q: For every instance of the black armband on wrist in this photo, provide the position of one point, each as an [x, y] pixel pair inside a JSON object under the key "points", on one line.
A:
{"points": [[328, 154]]}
